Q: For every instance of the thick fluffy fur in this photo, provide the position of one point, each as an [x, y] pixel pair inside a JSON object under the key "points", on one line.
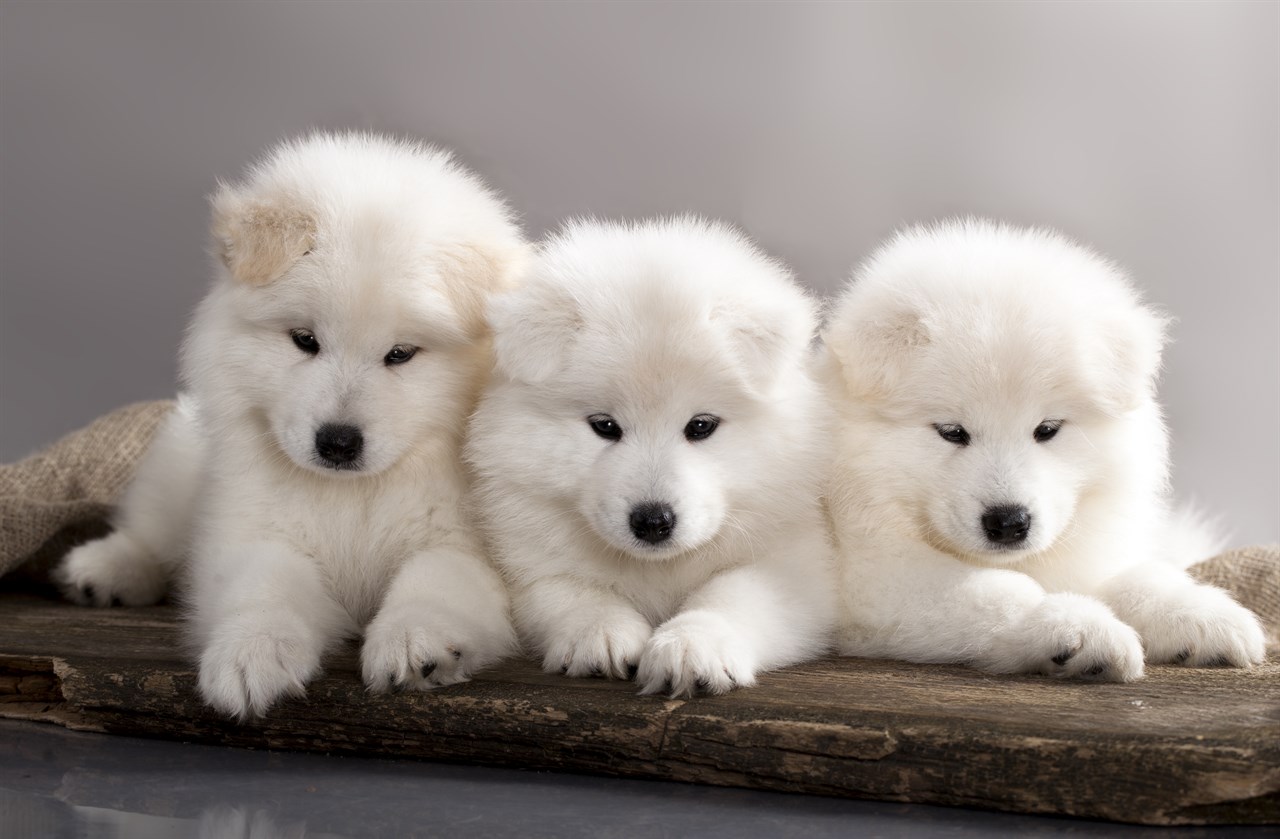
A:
{"points": [[998, 331], [367, 245], [654, 325]]}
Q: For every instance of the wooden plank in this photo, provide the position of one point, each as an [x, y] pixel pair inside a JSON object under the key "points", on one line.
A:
{"points": [[1179, 747]]}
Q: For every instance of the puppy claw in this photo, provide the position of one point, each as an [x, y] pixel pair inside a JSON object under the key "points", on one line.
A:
{"points": [[1200, 626], [1069, 636], [695, 652], [113, 571], [423, 654], [247, 669], [604, 645]]}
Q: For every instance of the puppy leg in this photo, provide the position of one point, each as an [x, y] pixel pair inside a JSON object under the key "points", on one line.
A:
{"points": [[1183, 621], [444, 617], [905, 601], [581, 630], [745, 620], [134, 565], [263, 618]]}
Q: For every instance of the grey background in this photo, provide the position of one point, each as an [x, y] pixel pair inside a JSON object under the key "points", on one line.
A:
{"points": [[1148, 129]]}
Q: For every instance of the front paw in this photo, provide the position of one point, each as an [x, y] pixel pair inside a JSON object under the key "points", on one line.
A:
{"points": [[696, 651], [1202, 626], [112, 571], [608, 642], [1069, 636], [247, 667], [417, 647]]}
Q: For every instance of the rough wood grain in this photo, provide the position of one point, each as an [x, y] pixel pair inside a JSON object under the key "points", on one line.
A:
{"points": [[1181, 746]]}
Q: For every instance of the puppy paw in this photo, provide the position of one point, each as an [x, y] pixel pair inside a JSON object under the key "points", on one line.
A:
{"points": [[606, 643], [1201, 626], [247, 667], [1069, 636], [417, 647], [112, 571], [696, 652]]}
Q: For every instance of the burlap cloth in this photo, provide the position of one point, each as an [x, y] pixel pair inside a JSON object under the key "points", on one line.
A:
{"points": [[62, 496]]}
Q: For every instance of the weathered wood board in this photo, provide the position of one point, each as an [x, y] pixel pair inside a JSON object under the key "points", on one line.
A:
{"points": [[1179, 747]]}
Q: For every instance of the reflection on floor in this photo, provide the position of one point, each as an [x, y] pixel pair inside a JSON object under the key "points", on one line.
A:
{"points": [[56, 783]]}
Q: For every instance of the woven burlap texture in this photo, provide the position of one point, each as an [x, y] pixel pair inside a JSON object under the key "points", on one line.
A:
{"points": [[56, 497], [64, 494]]}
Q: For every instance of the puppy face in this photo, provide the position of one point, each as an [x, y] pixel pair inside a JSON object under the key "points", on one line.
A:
{"points": [[998, 476], [642, 363], [999, 370], [348, 326]]}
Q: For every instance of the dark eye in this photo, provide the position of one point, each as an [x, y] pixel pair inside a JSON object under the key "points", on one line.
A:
{"points": [[1046, 430], [701, 427], [399, 354], [305, 340], [953, 433], [606, 426]]}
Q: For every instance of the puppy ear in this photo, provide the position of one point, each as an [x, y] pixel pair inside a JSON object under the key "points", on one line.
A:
{"points": [[875, 348], [1125, 356], [533, 327], [258, 240], [767, 340], [478, 270]]}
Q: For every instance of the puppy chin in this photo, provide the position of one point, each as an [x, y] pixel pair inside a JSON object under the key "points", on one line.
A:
{"points": [[983, 551], [313, 463], [628, 544]]}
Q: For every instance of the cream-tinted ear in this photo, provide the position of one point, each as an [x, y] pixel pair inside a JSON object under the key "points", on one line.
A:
{"points": [[478, 271], [258, 240], [766, 337], [1125, 357], [875, 348], [533, 327]]}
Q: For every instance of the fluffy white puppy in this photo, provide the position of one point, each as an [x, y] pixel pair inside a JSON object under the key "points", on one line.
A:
{"points": [[313, 470], [648, 456], [1000, 490]]}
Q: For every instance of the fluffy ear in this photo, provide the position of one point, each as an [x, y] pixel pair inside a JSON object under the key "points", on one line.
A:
{"points": [[767, 340], [875, 348], [258, 240], [1125, 357], [533, 327], [478, 270]]}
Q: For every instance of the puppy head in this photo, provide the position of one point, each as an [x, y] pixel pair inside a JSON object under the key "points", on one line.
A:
{"points": [[1004, 371], [641, 361], [348, 321]]}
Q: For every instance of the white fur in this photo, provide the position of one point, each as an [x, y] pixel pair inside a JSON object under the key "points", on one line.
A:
{"points": [[998, 329], [655, 324], [368, 243]]}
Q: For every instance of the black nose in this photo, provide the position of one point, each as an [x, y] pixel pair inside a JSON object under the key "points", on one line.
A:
{"points": [[1006, 525], [339, 445], [653, 522]]}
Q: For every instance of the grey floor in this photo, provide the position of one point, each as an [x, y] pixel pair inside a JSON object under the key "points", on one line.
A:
{"points": [[56, 783]]}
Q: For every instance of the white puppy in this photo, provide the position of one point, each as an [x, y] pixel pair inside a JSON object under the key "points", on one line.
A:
{"points": [[648, 458], [1001, 470], [314, 468]]}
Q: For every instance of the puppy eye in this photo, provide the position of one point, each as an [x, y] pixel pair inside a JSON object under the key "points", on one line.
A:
{"points": [[399, 354], [953, 433], [305, 340], [1046, 430], [701, 427], [605, 426]]}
